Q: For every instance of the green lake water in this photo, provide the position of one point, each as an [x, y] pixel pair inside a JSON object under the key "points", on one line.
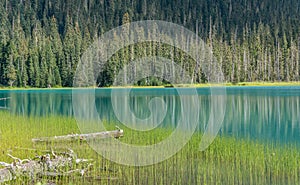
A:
{"points": [[268, 114]]}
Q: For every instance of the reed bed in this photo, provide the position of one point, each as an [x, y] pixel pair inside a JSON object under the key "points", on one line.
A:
{"points": [[227, 161]]}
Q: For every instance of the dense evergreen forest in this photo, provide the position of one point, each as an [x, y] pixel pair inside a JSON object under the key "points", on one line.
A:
{"points": [[41, 41]]}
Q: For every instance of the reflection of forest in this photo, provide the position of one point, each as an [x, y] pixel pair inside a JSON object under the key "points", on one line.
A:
{"points": [[4, 101], [270, 115], [41, 103], [269, 118]]}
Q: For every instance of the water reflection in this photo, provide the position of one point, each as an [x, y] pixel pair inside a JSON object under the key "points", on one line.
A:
{"points": [[39, 103], [273, 118], [267, 114]]}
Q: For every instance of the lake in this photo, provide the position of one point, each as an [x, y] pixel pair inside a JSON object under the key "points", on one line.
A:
{"points": [[267, 114]]}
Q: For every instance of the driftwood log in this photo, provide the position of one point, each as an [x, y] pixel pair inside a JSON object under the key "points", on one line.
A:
{"points": [[52, 164], [75, 137], [45, 165]]}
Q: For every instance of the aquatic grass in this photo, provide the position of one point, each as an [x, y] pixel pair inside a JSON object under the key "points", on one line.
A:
{"points": [[228, 160]]}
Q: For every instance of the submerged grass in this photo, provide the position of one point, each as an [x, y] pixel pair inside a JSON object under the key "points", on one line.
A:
{"points": [[227, 161]]}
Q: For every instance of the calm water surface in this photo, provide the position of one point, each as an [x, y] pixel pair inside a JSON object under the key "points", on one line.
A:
{"points": [[269, 114]]}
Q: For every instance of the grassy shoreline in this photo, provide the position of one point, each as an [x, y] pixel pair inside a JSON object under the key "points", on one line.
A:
{"points": [[240, 84], [227, 161]]}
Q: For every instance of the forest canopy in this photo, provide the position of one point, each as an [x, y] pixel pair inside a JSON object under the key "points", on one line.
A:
{"points": [[41, 41]]}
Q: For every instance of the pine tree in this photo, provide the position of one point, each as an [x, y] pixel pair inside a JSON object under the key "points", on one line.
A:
{"points": [[69, 53], [10, 73], [57, 50], [21, 55], [4, 38]]}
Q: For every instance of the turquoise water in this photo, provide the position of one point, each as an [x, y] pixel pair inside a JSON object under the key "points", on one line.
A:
{"points": [[269, 114]]}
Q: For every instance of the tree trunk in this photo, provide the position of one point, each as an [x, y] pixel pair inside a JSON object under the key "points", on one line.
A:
{"points": [[73, 137]]}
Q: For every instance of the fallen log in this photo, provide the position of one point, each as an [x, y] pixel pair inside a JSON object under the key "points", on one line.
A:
{"points": [[82, 137]]}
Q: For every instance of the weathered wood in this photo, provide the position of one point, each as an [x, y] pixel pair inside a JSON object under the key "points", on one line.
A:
{"points": [[45, 165], [49, 165], [73, 137]]}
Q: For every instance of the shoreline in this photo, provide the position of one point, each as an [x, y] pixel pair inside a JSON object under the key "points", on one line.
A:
{"points": [[240, 84]]}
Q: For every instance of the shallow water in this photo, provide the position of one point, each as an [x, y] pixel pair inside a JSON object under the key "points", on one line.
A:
{"points": [[269, 114]]}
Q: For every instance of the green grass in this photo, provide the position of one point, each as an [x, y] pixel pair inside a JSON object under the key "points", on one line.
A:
{"points": [[264, 84], [246, 84], [226, 161], [296, 83]]}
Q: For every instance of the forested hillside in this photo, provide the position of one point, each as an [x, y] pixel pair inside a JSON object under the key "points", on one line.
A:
{"points": [[41, 41]]}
